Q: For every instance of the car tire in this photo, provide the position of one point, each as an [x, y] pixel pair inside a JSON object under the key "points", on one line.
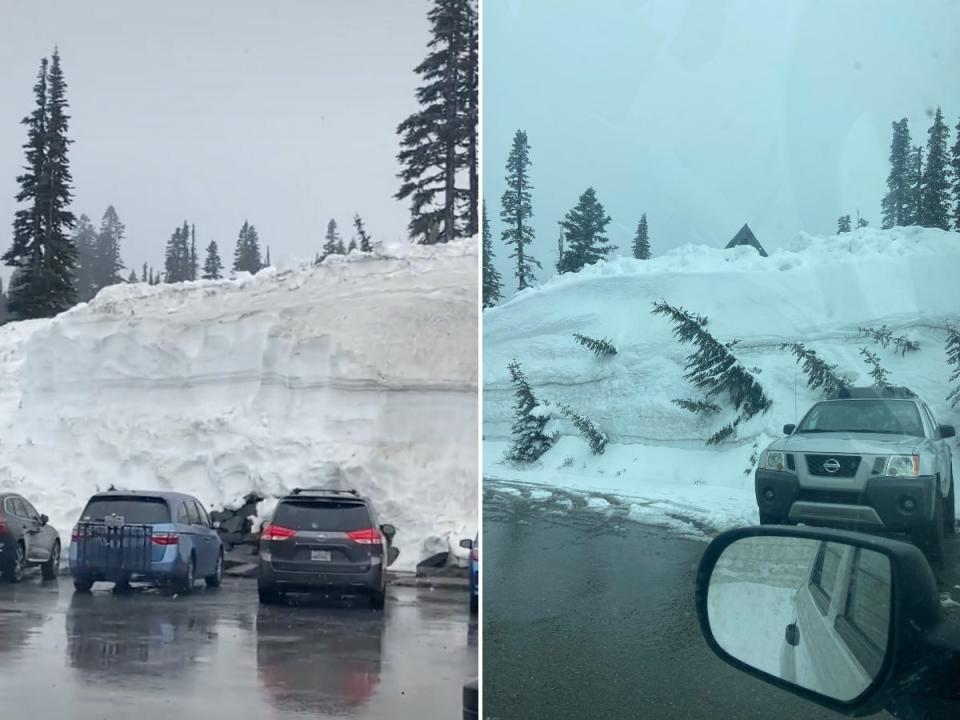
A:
{"points": [[51, 567], [378, 599], [268, 595], [474, 604], [213, 581], [928, 536], [184, 585], [13, 573], [82, 584], [950, 510]]}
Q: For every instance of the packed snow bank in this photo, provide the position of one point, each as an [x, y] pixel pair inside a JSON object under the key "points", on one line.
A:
{"points": [[360, 372], [819, 292]]}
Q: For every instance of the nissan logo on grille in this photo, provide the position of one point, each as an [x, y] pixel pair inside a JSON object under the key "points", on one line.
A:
{"points": [[831, 465]]}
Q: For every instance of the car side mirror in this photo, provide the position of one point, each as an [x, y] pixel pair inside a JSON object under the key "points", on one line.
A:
{"points": [[467, 543], [216, 524], [388, 530], [788, 429], [44, 519], [847, 620], [947, 431], [392, 555]]}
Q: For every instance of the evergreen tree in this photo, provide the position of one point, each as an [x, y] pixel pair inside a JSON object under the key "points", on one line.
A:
{"points": [[177, 258], [107, 262], [861, 222], [491, 278], [470, 97], [935, 203], [529, 439], [341, 248], [194, 267], [955, 164], [641, 242], [132, 277], [246, 257], [583, 229], [819, 373], [590, 430], [150, 278], [85, 274], [701, 407], [439, 140], [559, 265], [352, 246], [953, 359], [42, 253], [600, 348], [331, 240], [517, 209], [3, 304], [916, 184], [143, 274], [212, 266], [897, 203], [267, 263], [843, 224], [364, 244], [878, 373]]}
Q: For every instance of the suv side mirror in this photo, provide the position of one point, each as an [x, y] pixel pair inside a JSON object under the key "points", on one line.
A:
{"points": [[215, 524], [389, 531], [947, 431], [764, 596], [788, 429], [44, 519], [467, 543]]}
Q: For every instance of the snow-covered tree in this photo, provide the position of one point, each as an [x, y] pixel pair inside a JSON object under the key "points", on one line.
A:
{"points": [[491, 278], [132, 277], [3, 304], [516, 210], [916, 186], [955, 164], [212, 265], [177, 256], [641, 241], [700, 407], [363, 239], [584, 228], [843, 224], [884, 336], [953, 359], [591, 432], [935, 203], [897, 204], [820, 374], [529, 441], [878, 373], [601, 348], [246, 257], [331, 239]]}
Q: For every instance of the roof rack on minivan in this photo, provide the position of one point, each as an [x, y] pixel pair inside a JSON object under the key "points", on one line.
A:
{"points": [[324, 491], [873, 391]]}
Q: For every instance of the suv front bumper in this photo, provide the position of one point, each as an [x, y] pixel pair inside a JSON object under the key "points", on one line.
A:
{"points": [[883, 504]]}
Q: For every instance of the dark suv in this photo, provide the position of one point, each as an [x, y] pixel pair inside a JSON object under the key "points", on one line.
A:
{"points": [[26, 538], [320, 539]]}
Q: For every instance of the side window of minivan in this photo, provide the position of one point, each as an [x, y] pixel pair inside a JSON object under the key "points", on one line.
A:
{"points": [[203, 520], [193, 513], [182, 516]]}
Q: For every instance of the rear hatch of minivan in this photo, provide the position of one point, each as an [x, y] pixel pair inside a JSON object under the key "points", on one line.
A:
{"points": [[123, 533], [322, 536]]}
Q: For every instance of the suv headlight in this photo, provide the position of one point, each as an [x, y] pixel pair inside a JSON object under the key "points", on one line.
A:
{"points": [[774, 460], [902, 466]]}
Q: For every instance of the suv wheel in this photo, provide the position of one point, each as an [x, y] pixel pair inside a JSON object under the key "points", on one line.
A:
{"points": [[928, 536], [268, 594], [14, 572], [950, 509], [184, 585], [51, 567], [217, 577], [82, 584]]}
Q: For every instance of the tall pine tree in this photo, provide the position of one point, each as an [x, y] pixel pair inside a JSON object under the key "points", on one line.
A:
{"points": [[194, 267], [331, 240], [85, 273], [935, 203], [246, 257], [641, 242], [955, 164], [491, 278], [516, 210], [364, 239], [896, 204], [107, 262], [212, 266], [916, 185], [439, 140], [584, 229]]}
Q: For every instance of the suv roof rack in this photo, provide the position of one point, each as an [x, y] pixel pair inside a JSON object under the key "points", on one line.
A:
{"points": [[873, 391], [324, 491]]}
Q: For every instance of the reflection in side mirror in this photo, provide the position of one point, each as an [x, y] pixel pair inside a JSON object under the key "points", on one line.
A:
{"points": [[788, 429], [216, 524], [811, 612], [947, 431]]}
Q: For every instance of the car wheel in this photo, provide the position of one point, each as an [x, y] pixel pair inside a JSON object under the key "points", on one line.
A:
{"points": [[184, 585], [82, 585], [929, 536], [51, 567], [268, 594], [950, 509], [378, 599], [14, 571], [217, 577]]}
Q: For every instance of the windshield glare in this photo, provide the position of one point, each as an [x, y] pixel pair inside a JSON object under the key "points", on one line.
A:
{"points": [[888, 417]]}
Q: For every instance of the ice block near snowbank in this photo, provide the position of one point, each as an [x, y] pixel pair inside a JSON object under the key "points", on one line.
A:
{"points": [[361, 373]]}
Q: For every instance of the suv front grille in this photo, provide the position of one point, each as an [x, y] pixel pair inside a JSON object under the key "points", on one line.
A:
{"points": [[827, 496], [848, 465]]}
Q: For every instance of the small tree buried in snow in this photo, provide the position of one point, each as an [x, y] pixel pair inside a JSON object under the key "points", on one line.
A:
{"points": [[819, 373], [701, 407], [883, 337], [953, 358], [529, 439], [878, 373], [725, 432], [713, 366], [601, 348], [590, 430]]}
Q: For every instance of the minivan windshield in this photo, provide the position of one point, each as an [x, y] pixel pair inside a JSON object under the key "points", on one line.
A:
{"points": [[139, 510], [873, 415], [333, 516]]}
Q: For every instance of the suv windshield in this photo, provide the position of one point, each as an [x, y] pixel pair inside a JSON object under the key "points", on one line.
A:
{"points": [[336, 515], [889, 417], [141, 510]]}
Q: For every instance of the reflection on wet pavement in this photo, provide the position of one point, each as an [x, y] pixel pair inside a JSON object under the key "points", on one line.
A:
{"points": [[148, 654]]}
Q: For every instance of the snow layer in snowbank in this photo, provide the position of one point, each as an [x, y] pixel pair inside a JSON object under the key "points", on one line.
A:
{"points": [[819, 292], [361, 372]]}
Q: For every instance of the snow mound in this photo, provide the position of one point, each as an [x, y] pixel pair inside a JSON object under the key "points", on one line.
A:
{"points": [[359, 373], [819, 292]]}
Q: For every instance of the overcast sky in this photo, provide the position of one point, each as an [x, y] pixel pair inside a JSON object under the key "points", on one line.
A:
{"points": [[281, 112], [707, 114]]}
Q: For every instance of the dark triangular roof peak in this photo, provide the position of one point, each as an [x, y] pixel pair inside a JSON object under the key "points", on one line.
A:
{"points": [[745, 236]]}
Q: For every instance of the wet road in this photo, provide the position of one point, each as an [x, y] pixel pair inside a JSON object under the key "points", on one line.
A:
{"points": [[588, 615], [218, 654]]}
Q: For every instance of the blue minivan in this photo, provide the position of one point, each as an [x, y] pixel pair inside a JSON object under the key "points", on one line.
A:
{"points": [[156, 537]]}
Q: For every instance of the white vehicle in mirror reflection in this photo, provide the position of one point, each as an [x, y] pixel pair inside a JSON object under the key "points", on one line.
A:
{"points": [[872, 459], [838, 638]]}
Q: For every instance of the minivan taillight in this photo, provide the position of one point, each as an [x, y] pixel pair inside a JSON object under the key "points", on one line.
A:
{"points": [[371, 536], [166, 538], [276, 532], [75, 534]]}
